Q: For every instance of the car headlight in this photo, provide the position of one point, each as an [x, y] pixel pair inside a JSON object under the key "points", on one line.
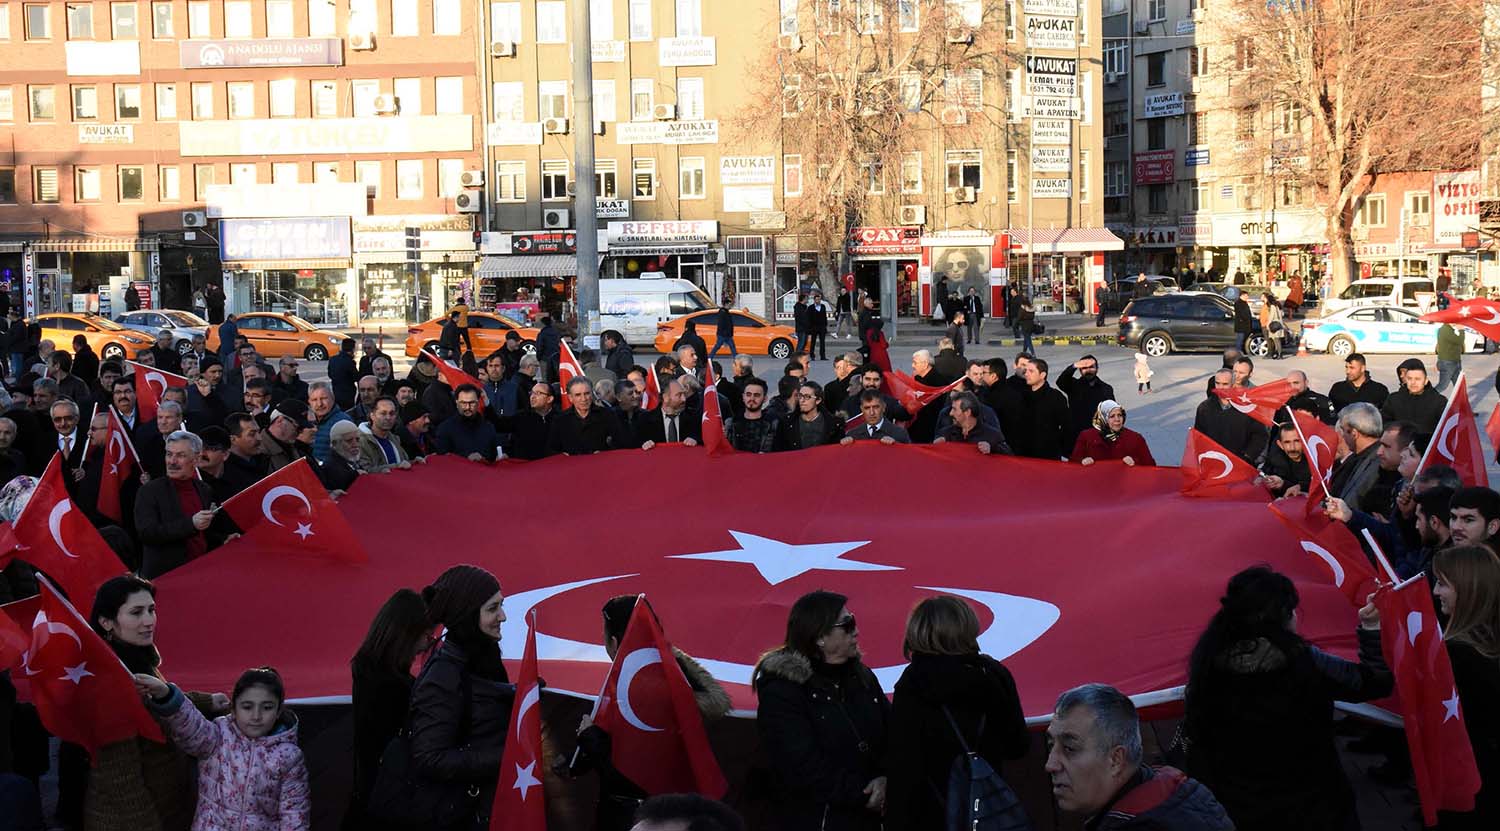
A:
{"points": [[334, 341]]}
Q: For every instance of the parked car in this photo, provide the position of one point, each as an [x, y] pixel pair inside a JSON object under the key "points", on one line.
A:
{"points": [[1118, 294], [184, 326], [277, 334], [1410, 292], [1377, 329], [1184, 322], [753, 334], [109, 340], [486, 330]]}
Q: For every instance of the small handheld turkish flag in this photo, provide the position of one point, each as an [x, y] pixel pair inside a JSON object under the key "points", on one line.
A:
{"points": [[120, 463], [647, 708], [82, 692], [1208, 469], [1320, 448], [1260, 403], [913, 394], [651, 398], [1480, 314], [455, 378], [308, 522], [714, 439], [1492, 430], [56, 537], [516, 808], [1442, 759], [568, 368], [1456, 440], [1332, 543], [150, 384]]}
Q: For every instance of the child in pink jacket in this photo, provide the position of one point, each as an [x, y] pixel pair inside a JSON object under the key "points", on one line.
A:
{"points": [[251, 775]]}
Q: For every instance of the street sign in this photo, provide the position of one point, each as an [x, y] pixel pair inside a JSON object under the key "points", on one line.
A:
{"points": [[413, 244]]}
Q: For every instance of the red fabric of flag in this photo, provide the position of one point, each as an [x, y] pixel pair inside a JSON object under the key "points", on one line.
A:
{"points": [[913, 394], [1332, 543], [568, 368], [119, 466], [290, 512], [1208, 469], [56, 536], [1480, 314], [520, 800], [455, 378], [714, 439], [150, 384], [1456, 441], [1260, 403]]}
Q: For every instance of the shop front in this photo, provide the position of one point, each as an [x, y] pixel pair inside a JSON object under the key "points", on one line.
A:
{"points": [[298, 265], [1267, 246], [684, 249], [952, 263], [396, 289], [884, 256], [81, 274], [1061, 268], [526, 274], [796, 272]]}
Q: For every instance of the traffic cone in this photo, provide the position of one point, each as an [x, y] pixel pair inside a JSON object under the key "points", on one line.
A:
{"points": [[1301, 346]]}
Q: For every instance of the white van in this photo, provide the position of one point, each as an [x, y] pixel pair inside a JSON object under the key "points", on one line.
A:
{"points": [[1417, 293], [634, 306]]}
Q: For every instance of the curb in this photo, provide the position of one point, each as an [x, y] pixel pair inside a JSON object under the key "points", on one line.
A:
{"points": [[1057, 340]]}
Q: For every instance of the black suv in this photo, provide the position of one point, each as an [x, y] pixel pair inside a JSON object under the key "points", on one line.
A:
{"points": [[1186, 321]]}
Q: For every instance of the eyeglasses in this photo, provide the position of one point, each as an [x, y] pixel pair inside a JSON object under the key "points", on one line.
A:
{"points": [[846, 623]]}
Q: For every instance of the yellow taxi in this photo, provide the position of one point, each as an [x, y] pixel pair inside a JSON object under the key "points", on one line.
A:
{"points": [[487, 330], [109, 340], [278, 334], [753, 334]]}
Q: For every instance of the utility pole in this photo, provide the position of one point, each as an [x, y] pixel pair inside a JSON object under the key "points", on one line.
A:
{"points": [[586, 287]]}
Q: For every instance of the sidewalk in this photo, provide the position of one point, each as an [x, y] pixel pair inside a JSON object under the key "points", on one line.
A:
{"points": [[1062, 330]]}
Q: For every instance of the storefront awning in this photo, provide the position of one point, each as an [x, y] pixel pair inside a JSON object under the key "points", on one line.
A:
{"points": [[363, 257], [85, 244], [503, 266], [1063, 240], [283, 265]]}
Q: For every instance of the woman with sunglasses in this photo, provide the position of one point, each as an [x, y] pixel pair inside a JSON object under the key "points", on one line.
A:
{"points": [[823, 721]]}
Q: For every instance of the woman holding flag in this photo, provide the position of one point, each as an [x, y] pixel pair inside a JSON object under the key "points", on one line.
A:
{"points": [[1468, 592]]}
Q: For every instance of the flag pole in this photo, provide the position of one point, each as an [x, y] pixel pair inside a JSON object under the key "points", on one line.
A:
{"points": [[1421, 465], [84, 456], [114, 416], [1380, 556], [1316, 473]]}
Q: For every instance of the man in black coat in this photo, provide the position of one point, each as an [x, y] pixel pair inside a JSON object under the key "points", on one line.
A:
{"points": [[617, 355], [1285, 471], [1308, 400], [469, 433], [583, 428], [549, 347], [1044, 422], [287, 384], [965, 426], [674, 420], [1416, 403], [370, 351], [1238, 433], [973, 313], [449, 337], [1244, 321], [342, 370], [690, 337], [817, 328], [724, 331], [1357, 385], [1085, 391], [176, 518], [809, 424], [629, 415], [165, 352], [532, 427]]}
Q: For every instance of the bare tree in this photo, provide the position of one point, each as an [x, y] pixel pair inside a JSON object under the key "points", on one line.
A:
{"points": [[1329, 95]]}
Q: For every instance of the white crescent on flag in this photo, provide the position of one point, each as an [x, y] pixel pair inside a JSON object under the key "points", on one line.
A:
{"points": [[1217, 457], [54, 525], [634, 663], [1323, 554], [277, 492]]}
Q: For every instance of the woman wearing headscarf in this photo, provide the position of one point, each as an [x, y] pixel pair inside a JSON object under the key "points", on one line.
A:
{"points": [[1109, 439]]}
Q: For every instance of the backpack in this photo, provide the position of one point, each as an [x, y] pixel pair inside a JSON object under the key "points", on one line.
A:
{"points": [[978, 799]]}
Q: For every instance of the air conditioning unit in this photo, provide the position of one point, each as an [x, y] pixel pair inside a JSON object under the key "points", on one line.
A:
{"points": [[194, 219], [955, 116], [385, 104], [664, 112], [555, 218], [790, 42], [1111, 77], [468, 201], [913, 214], [471, 178], [598, 128], [571, 189], [960, 34], [964, 195], [555, 125], [361, 41], [1142, 27], [502, 50]]}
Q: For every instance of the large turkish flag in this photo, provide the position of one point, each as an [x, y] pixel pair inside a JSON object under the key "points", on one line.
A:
{"points": [[1067, 566]]}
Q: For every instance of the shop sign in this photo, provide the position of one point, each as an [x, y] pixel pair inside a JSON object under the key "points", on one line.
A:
{"points": [[1051, 32], [1162, 104], [1051, 76], [607, 51], [1057, 8], [302, 199], [667, 132], [1154, 236], [545, 242], [1251, 228], [688, 51], [743, 199], [326, 136], [1186, 26], [665, 232], [439, 232], [1154, 167], [1455, 205], [106, 134], [885, 240], [1051, 131], [1051, 159], [1051, 188], [514, 133], [215, 54], [611, 208], [284, 239], [1052, 106], [1195, 157], [747, 170], [767, 221], [1194, 232], [103, 57]]}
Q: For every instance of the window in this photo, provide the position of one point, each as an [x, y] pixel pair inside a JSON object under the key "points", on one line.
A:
{"points": [[1419, 207], [241, 99], [787, 16], [551, 22], [325, 173], [510, 181], [642, 99], [1199, 194], [368, 174], [166, 102], [689, 18], [237, 20], [322, 19], [199, 19], [80, 21], [1244, 124], [1198, 128], [123, 22], [203, 177], [970, 12], [363, 93], [640, 19], [964, 168], [363, 17], [908, 17], [450, 177], [604, 101], [1244, 54], [168, 183], [284, 173], [87, 186], [409, 95], [872, 174], [325, 99], [1156, 69], [1291, 194], [85, 103], [606, 178], [203, 100], [409, 184], [1086, 96], [243, 173], [1249, 194], [911, 173], [601, 21], [1117, 56], [552, 99], [1156, 199], [5, 34], [1083, 176], [791, 174], [449, 95], [7, 105], [791, 95], [403, 25], [1156, 134], [279, 19], [690, 99], [1116, 179], [505, 22], [447, 17], [1083, 23], [1116, 119], [1371, 211], [1291, 117], [1012, 178], [692, 175], [643, 174], [1197, 61], [127, 102], [554, 179], [871, 16], [43, 103], [132, 183], [44, 186], [1013, 96], [964, 89], [510, 101], [38, 23], [1156, 11], [283, 98]]}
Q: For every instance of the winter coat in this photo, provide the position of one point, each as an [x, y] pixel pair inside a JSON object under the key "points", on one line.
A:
{"points": [[323, 439], [922, 744], [1261, 737], [1162, 799], [164, 530], [619, 360], [343, 375], [1091, 444], [825, 733], [1450, 344], [1244, 319], [1355, 476], [243, 783], [1044, 424], [372, 457], [1084, 398], [1238, 433], [1315, 404], [581, 436], [1371, 391], [1420, 411], [817, 318], [381, 701], [950, 362], [1478, 682], [789, 431], [461, 436], [439, 752]]}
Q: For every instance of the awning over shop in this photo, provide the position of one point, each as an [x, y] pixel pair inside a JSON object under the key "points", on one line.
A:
{"points": [[502, 266], [283, 265], [1063, 240], [86, 244], [384, 257]]}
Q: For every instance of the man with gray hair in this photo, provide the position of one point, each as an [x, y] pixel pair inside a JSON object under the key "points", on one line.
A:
{"points": [[1360, 426], [325, 414], [176, 516], [1097, 772], [151, 437]]}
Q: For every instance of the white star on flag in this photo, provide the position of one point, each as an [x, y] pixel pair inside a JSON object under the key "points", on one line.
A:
{"points": [[1450, 707], [525, 781], [303, 530], [779, 562], [75, 674]]}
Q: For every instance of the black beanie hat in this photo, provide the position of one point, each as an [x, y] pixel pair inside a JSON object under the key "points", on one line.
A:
{"points": [[454, 599]]}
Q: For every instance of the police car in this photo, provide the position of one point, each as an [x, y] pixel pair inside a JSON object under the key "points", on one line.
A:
{"points": [[1376, 329]]}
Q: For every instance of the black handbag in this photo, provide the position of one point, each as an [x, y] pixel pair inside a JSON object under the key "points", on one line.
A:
{"points": [[403, 796]]}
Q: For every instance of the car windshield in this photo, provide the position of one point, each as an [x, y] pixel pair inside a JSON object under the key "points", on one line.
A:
{"points": [[299, 322], [1359, 291], [103, 323], [185, 319]]}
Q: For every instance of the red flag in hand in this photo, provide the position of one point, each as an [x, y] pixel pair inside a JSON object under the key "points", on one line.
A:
{"points": [[913, 394], [13, 642], [568, 368], [1456, 440], [1480, 314], [1441, 758], [651, 398], [1492, 429], [1208, 469], [290, 512], [150, 384], [119, 466], [1320, 444], [56, 537], [648, 710], [81, 690], [1333, 544], [1260, 403], [455, 378], [520, 801], [713, 420]]}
